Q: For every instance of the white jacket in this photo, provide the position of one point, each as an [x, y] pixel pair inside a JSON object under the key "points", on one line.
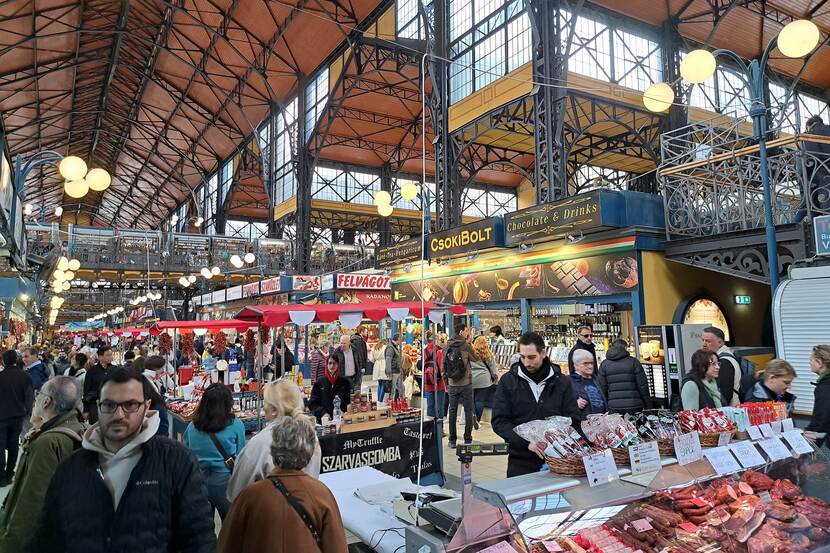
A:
{"points": [[378, 357]]}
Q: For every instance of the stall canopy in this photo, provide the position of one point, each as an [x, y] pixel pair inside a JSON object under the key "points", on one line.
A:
{"points": [[237, 324], [348, 314], [130, 331]]}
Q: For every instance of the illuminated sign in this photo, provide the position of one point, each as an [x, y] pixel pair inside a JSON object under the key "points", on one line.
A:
{"points": [[467, 239], [556, 219], [821, 229], [743, 300], [359, 281]]}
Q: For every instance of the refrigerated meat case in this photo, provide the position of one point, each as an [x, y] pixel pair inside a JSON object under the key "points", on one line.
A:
{"points": [[528, 511]]}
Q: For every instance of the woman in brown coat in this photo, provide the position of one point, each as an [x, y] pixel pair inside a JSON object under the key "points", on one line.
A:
{"points": [[262, 520]]}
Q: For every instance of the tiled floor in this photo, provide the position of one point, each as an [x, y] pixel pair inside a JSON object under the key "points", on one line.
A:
{"points": [[485, 469]]}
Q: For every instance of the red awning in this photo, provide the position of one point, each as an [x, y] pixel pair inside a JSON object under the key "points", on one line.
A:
{"points": [[209, 325], [128, 330], [278, 315]]}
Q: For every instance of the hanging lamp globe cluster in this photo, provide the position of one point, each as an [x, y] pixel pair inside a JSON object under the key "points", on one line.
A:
{"points": [[383, 200], [796, 40], [80, 180], [64, 274], [152, 296]]}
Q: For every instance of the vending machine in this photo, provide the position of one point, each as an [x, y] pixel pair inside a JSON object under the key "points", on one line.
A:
{"points": [[665, 351]]}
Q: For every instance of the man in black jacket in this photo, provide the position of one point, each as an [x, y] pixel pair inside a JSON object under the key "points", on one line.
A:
{"points": [[127, 489], [361, 351], [622, 381], [349, 359], [534, 389], [93, 381], [16, 399], [584, 340]]}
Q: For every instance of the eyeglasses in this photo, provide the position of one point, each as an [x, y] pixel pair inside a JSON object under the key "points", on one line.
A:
{"points": [[586, 335], [109, 407]]}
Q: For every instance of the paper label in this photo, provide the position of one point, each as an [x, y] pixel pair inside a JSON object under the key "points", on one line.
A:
{"points": [[552, 546], [722, 460], [687, 448], [689, 527], [754, 433], [747, 454], [766, 430], [600, 468], [776, 427], [787, 425], [644, 457], [724, 438], [775, 449], [797, 442], [642, 525]]}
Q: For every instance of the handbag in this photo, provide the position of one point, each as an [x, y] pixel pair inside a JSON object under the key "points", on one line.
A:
{"points": [[299, 509], [227, 459]]}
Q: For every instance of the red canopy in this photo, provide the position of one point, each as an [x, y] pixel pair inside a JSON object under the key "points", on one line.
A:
{"points": [[128, 330], [278, 315], [209, 325]]}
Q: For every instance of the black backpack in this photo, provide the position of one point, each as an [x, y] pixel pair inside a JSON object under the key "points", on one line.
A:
{"points": [[748, 376], [454, 367]]}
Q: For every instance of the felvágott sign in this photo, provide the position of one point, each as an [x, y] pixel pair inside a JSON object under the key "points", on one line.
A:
{"points": [[487, 233], [359, 281], [401, 253]]}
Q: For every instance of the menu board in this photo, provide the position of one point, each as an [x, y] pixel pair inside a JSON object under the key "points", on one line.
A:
{"points": [[652, 349], [705, 311]]}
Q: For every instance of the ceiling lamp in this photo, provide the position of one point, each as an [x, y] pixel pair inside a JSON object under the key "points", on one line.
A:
{"points": [[63, 264], [215, 271], [409, 191], [68, 275], [98, 179], [199, 221], [698, 66], [383, 198], [76, 188], [191, 279], [236, 261], [250, 258], [205, 272], [72, 168], [59, 275], [74, 265], [798, 38], [66, 285], [184, 282], [28, 209], [58, 211], [174, 219], [658, 97], [385, 210]]}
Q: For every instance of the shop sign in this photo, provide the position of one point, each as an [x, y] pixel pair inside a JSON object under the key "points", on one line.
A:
{"points": [[327, 281], [582, 277], [306, 283], [821, 228], [401, 253], [392, 450], [542, 222], [217, 297], [467, 239], [270, 286], [360, 281], [362, 296], [708, 312], [233, 293], [251, 289]]}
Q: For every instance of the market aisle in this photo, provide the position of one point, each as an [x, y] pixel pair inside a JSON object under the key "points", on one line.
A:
{"points": [[485, 469]]}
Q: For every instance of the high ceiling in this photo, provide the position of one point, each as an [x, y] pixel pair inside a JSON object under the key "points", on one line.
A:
{"points": [[157, 92]]}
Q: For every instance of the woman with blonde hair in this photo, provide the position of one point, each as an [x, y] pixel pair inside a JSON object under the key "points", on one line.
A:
{"points": [[773, 383], [820, 422], [281, 398], [484, 375], [377, 355]]}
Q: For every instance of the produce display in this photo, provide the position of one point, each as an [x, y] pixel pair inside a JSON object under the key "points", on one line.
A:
{"points": [[766, 412]]}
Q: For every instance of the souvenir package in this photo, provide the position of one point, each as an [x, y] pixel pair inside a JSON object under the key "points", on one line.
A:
{"points": [[657, 424], [555, 436], [766, 412], [610, 431], [705, 420]]}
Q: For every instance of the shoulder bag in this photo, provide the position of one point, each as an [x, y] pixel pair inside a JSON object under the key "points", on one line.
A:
{"points": [[227, 459], [299, 509]]}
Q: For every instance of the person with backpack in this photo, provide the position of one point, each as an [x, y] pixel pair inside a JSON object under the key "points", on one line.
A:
{"points": [[622, 381], [700, 386], [458, 372], [776, 379], [43, 450], [16, 398], [435, 390], [729, 379]]}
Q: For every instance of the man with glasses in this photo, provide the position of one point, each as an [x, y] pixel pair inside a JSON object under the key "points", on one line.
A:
{"points": [[584, 341], [60, 434], [127, 489]]}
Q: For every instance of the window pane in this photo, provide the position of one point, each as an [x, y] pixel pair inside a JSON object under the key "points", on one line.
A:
{"points": [[590, 50], [636, 61], [316, 96]]}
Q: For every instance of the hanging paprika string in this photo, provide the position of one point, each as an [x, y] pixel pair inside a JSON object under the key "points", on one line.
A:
{"points": [[220, 343], [165, 344]]}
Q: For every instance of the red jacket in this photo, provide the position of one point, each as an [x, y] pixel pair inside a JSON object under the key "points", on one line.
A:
{"points": [[431, 362]]}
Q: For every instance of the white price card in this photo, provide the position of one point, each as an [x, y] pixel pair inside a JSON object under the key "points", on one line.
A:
{"points": [[776, 427], [754, 433], [766, 430], [724, 438], [747, 454], [787, 425], [687, 448], [644, 457], [722, 460], [600, 468], [797, 442], [775, 449]]}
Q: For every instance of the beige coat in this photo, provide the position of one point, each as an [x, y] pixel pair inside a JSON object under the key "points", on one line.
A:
{"points": [[378, 357]]}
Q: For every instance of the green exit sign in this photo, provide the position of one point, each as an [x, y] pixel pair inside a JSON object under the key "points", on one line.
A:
{"points": [[743, 300]]}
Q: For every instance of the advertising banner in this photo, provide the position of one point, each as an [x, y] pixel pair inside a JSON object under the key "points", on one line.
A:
{"points": [[306, 283], [392, 450], [582, 277], [360, 281], [233, 293], [467, 239], [270, 286], [362, 296], [401, 253], [250, 289]]}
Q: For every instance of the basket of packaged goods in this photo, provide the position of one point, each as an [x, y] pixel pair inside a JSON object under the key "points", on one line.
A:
{"points": [[562, 445], [710, 424], [613, 432], [658, 425]]}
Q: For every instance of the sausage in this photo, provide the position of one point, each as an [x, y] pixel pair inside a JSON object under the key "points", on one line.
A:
{"points": [[697, 519], [697, 511]]}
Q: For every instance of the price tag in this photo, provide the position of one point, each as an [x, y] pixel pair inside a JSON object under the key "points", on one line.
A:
{"points": [[787, 425], [776, 427], [689, 527], [552, 546], [724, 438], [797, 442], [775, 449], [642, 525], [722, 460], [766, 430], [687, 448], [600, 468], [644, 457], [754, 433], [747, 454]]}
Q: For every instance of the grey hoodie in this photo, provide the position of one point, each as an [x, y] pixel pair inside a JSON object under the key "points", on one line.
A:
{"points": [[116, 467]]}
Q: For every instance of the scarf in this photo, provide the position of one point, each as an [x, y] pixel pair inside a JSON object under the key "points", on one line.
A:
{"points": [[539, 375], [332, 377], [823, 375]]}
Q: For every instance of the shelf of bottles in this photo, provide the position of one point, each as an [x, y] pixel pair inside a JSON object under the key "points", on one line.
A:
{"points": [[510, 321], [559, 324]]}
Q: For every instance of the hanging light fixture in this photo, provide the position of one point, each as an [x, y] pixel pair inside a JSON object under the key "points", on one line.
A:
{"points": [[98, 179], [63, 264], [236, 261], [184, 282], [59, 275], [697, 66], [76, 188], [74, 265], [58, 211], [385, 210], [409, 191], [66, 285], [68, 275], [199, 221], [216, 271], [72, 168], [658, 97], [250, 258], [28, 209], [191, 279], [798, 38], [205, 272]]}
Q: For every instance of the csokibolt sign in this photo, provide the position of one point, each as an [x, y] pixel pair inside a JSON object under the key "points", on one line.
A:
{"points": [[481, 235], [358, 281]]}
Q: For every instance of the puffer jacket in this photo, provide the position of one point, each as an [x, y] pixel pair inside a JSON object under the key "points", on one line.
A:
{"points": [[164, 509], [458, 341], [760, 394], [622, 380]]}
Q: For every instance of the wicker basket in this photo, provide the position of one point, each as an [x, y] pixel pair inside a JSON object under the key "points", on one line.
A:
{"points": [[570, 466], [621, 457], [666, 447], [711, 439]]}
